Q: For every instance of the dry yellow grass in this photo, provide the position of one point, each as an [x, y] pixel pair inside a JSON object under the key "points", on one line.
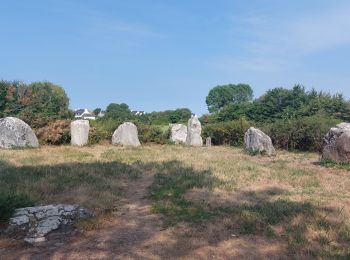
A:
{"points": [[289, 197]]}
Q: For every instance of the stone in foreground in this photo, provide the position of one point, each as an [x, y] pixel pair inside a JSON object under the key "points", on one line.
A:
{"points": [[79, 130], [257, 141], [16, 133], [178, 133], [126, 134], [34, 223], [337, 144], [194, 130]]}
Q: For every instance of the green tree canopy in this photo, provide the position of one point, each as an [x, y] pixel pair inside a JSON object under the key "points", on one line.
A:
{"points": [[36, 104], [119, 112], [169, 116], [220, 96], [97, 111], [286, 104]]}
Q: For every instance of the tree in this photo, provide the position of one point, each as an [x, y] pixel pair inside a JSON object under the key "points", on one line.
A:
{"points": [[120, 112], [180, 115], [36, 104], [3, 94], [220, 96], [97, 111]]}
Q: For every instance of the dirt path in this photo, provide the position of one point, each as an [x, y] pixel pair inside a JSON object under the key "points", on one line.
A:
{"points": [[135, 233], [125, 236]]}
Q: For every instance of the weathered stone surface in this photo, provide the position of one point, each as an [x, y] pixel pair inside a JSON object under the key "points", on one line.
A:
{"points": [[126, 134], [337, 144], [178, 133], [79, 130], [16, 133], [208, 141], [194, 130], [34, 223], [257, 141]]}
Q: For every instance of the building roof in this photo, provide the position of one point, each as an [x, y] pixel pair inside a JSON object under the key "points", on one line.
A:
{"points": [[83, 113]]}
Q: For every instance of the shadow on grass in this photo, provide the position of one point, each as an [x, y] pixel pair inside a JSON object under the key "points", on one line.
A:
{"points": [[95, 185], [263, 214], [309, 230]]}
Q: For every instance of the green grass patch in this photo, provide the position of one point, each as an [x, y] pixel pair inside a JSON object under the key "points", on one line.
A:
{"points": [[10, 201], [331, 164]]}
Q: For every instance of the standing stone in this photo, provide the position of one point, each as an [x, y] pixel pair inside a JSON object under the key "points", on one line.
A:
{"points": [[16, 133], [178, 133], [258, 142], [208, 141], [337, 144], [79, 130], [194, 130], [126, 134]]}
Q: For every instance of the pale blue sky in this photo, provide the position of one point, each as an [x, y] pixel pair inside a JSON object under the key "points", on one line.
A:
{"points": [[165, 54]]}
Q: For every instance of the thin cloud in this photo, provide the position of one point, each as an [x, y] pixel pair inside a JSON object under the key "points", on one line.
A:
{"points": [[323, 31], [279, 43]]}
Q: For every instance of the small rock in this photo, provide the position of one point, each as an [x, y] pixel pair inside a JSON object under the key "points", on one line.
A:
{"points": [[208, 141]]}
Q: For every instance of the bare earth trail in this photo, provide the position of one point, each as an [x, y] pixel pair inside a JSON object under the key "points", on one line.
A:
{"points": [[135, 233], [125, 236]]}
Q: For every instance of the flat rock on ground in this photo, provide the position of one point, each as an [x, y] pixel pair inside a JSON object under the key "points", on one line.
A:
{"points": [[34, 223]]}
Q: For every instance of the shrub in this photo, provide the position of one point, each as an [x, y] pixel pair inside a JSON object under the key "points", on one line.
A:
{"points": [[305, 134], [55, 133], [58, 133], [153, 134], [94, 137], [229, 133], [103, 129]]}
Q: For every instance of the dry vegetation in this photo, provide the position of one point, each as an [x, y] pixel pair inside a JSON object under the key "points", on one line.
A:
{"points": [[203, 202]]}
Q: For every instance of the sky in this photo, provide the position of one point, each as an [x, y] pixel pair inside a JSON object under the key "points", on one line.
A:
{"points": [[165, 54]]}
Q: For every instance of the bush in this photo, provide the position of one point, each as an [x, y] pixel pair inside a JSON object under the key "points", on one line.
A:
{"points": [[153, 134], [103, 129], [9, 202], [305, 134], [94, 137], [229, 133], [55, 133], [58, 133]]}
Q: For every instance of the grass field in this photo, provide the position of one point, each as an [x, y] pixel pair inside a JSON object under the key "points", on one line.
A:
{"points": [[290, 204]]}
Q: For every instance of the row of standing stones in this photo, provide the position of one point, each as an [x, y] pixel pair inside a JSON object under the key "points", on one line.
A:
{"points": [[14, 133], [33, 224]]}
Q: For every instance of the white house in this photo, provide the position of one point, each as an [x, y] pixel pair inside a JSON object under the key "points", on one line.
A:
{"points": [[138, 113], [84, 114]]}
